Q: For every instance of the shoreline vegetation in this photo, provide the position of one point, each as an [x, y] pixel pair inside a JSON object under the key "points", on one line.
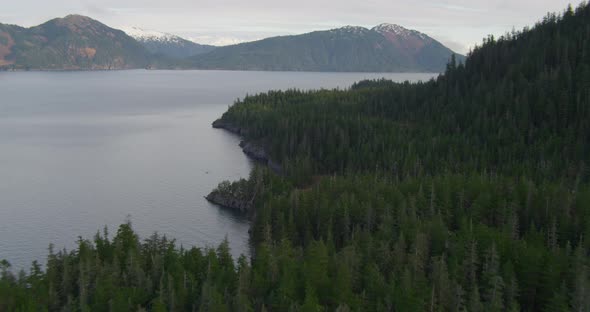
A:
{"points": [[240, 195], [469, 192]]}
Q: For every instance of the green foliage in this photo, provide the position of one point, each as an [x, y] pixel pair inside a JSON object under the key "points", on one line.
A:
{"points": [[124, 274], [242, 189], [465, 193]]}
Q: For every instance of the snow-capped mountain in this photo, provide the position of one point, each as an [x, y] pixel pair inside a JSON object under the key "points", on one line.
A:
{"points": [[406, 40], [397, 30], [383, 48], [355, 30], [144, 35], [166, 44]]}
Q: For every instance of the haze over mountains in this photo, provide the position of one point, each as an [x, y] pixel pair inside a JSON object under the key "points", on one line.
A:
{"points": [[80, 43]]}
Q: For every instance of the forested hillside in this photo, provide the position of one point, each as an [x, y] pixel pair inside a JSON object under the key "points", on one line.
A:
{"points": [[470, 192], [384, 48], [71, 43]]}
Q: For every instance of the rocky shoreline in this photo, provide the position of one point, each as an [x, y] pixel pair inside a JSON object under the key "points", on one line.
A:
{"points": [[227, 200], [227, 196], [254, 150]]}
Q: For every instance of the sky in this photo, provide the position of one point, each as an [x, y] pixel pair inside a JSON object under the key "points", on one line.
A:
{"points": [[459, 24]]}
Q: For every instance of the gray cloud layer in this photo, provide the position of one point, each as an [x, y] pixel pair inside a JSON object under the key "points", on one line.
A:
{"points": [[457, 23]]}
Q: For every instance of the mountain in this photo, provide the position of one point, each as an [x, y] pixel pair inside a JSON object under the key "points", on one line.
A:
{"points": [[70, 43], [167, 44], [426, 52], [384, 48], [80, 43]]}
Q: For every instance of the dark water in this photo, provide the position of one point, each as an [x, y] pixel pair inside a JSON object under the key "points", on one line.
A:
{"points": [[81, 150]]}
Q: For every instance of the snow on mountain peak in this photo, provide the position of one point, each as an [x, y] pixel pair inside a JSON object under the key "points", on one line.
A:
{"points": [[397, 30], [352, 29], [150, 35]]}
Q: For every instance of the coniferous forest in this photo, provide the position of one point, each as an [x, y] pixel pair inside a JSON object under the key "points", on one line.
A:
{"points": [[469, 192]]}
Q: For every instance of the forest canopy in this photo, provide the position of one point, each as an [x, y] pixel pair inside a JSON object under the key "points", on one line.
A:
{"points": [[468, 192]]}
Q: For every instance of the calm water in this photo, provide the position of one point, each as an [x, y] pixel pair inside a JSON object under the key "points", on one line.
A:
{"points": [[81, 150]]}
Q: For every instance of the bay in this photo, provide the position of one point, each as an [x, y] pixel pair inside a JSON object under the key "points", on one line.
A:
{"points": [[84, 150]]}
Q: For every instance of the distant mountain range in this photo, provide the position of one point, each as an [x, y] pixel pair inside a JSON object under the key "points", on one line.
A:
{"points": [[165, 44], [385, 48], [80, 43]]}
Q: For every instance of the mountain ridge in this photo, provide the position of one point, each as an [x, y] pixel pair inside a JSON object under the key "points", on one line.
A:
{"points": [[344, 49], [77, 42], [74, 42], [166, 44]]}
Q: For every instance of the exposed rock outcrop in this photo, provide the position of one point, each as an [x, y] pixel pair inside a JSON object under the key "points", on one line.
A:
{"points": [[254, 150], [230, 201], [221, 124], [238, 195]]}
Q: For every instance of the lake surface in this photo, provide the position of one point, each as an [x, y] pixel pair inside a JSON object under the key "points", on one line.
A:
{"points": [[81, 150]]}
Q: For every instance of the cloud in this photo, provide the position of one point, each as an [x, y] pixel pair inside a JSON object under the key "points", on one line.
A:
{"points": [[217, 40], [456, 46], [96, 10], [454, 7]]}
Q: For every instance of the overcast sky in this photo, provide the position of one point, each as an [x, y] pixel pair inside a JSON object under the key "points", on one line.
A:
{"points": [[458, 24]]}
